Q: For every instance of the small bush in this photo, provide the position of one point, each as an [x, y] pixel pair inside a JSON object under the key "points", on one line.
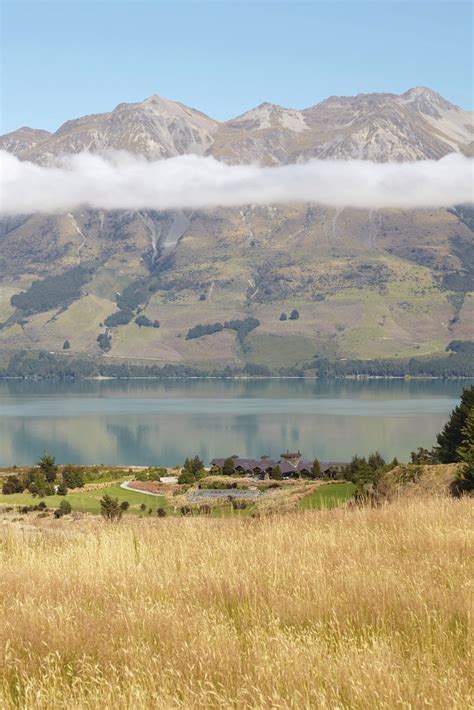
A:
{"points": [[62, 489], [238, 504], [110, 508], [12, 484], [143, 322], [65, 507], [105, 342], [73, 477]]}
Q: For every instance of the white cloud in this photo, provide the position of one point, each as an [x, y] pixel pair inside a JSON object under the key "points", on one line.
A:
{"points": [[120, 180]]}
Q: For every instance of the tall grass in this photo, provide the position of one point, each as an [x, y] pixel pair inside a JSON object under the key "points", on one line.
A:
{"points": [[335, 609]]}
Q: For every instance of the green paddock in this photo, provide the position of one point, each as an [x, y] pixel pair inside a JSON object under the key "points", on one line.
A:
{"points": [[328, 496]]}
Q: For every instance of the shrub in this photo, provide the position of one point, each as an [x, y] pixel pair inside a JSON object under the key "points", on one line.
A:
{"points": [[66, 345], [110, 508], [12, 484], [228, 469], [47, 466], [423, 456], [105, 341], [316, 469], [283, 316], [124, 505], [73, 476], [151, 474], [118, 318], [186, 477], [192, 471], [62, 489], [294, 315], [276, 473], [143, 322], [65, 507], [161, 512], [238, 504]]}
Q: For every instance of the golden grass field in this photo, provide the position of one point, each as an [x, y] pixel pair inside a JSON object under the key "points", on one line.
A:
{"points": [[364, 608]]}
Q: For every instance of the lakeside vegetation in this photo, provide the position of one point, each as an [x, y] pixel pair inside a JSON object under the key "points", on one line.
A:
{"points": [[363, 478], [458, 362]]}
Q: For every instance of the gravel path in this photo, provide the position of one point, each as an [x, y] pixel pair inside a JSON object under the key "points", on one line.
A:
{"points": [[134, 490]]}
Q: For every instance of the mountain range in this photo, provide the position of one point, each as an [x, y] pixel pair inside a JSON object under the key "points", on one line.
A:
{"points": [[364, 283]]}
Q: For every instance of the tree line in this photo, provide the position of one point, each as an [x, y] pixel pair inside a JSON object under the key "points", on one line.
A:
{"points": [[242, 327], [40, 364]]}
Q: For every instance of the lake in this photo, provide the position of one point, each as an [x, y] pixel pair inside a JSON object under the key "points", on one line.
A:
{"points": [[152, 422]]}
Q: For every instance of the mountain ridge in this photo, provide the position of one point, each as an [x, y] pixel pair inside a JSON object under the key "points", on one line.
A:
{"points": [[365, 283], [380, 126]]}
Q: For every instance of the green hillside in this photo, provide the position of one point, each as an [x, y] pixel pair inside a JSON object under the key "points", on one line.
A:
{"points": [[387, 285]]}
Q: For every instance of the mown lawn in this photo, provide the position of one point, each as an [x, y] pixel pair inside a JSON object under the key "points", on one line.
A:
{"points": [[89, 501], [328, 496]]}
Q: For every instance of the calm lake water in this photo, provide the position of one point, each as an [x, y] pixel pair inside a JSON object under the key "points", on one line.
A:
{"points": [[147, 422]]}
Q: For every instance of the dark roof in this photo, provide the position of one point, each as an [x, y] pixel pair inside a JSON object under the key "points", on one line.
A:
{"points": [[246, 464], [285, 466]]}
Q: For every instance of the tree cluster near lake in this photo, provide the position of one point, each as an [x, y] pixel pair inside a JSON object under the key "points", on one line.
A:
{"points": [[48, 478], [26, 364], [192, 471]]}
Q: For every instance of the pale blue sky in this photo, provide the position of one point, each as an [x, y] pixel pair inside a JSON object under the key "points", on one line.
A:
{"points": [[67, 58]]}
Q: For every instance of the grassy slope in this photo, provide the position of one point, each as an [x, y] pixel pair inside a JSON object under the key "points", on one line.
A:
{"points": [[420, 480], [380, 276], [346, 609], [88, 501]]}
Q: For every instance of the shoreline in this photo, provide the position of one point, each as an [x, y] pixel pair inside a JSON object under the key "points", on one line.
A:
{"points": [[99, 378]]}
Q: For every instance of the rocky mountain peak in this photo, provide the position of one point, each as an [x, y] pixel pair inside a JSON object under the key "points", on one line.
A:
{"points": [[268, 115], [427, 101], [375, 126]]}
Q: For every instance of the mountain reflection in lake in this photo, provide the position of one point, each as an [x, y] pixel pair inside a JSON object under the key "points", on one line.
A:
{"points": [[150, 422]]}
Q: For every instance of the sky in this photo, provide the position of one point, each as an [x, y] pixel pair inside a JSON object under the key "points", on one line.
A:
{"points": [[65, 58]]}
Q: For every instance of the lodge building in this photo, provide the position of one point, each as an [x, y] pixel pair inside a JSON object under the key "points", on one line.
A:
{"points": [[291, 464]]}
